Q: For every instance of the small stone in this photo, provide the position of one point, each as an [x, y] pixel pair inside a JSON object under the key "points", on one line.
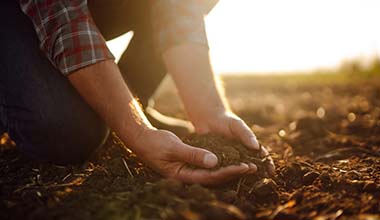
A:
{"points": [[266, 189], [293, 170], [326, 180], [309, 177]]}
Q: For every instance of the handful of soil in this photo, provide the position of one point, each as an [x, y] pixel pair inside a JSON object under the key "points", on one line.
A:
{"points": [[229, 152]]}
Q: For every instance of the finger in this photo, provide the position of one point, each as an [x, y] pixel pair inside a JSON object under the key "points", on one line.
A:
{"points": [[207, 177], [241, 130], [195, 156], [271, 167], [252, 168]]}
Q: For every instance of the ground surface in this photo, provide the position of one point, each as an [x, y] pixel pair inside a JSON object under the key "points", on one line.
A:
{"points": [[323, 133]]}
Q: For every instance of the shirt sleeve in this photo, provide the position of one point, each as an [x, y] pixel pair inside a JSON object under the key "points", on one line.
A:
{"points": [[180, 21], [68, 36]]}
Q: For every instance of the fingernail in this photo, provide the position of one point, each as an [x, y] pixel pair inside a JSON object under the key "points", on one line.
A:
{"points": [[254, 143], [245, 168], [252, 168], [244, 165], [210, 160]]}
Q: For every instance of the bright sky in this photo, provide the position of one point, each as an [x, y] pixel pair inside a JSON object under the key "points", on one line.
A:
{"points": [[288, 35]]}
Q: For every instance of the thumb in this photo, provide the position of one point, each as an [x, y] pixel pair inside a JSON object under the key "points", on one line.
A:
{"points": [[196, 156]]}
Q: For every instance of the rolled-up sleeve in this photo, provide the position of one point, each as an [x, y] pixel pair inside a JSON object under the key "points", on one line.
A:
{"points": [[68, 36], [180, 21]]}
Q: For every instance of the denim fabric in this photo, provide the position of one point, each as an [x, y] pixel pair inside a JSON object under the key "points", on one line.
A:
{"points": [[39, 108]]}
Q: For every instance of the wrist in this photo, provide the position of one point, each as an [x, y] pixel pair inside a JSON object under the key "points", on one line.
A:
{"points": [[206, 122], [206, 113], [135, 132], [133, 124]]}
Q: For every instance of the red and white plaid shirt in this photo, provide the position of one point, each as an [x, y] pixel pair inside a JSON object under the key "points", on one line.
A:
{"points": [[70, 39]]}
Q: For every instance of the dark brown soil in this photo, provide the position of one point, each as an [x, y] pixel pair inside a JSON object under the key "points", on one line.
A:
{"points": [[229, 152], [322, 132]]}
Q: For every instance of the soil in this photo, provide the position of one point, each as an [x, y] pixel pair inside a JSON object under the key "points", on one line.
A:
{"points": [[322, 133], [228, 151]]}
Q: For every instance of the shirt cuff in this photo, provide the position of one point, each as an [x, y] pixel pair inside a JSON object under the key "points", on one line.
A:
{"points": [[78, 45]]}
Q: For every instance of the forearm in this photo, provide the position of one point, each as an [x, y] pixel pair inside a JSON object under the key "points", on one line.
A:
{"points": [[203, 96], [190, 67], [103, 88]]}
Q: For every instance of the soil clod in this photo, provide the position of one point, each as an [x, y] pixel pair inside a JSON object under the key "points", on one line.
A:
{"points": [[229, 152]]}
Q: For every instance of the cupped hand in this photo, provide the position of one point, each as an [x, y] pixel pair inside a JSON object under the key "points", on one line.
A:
{"points": [[168, 155], [229, 125]]}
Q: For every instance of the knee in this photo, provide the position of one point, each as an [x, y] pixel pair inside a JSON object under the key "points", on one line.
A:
{"points": [[61, 140]]}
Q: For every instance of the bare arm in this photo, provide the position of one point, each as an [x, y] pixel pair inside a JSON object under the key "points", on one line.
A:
{"points": [[203, 97], [103, 87], [189, 65]]}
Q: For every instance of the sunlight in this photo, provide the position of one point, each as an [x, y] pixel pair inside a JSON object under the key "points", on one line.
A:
{"points": [[119, 44], [291, 35], [275, 35]]}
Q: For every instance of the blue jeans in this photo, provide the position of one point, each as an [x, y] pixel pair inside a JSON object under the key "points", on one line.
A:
{"points": [[40, 109]]}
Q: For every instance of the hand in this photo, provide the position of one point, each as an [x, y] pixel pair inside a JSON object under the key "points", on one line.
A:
{"points": [[168, 155], [230, 125]]}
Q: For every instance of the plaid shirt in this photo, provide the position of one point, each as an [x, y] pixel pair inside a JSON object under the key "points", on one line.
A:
{"points": [[70, 39]]}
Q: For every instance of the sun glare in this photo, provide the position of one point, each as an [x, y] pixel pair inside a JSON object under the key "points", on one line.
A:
{"points": [[291, 35]]}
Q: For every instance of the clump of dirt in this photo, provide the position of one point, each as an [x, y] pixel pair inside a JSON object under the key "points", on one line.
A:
{"points": [[229, 152]]}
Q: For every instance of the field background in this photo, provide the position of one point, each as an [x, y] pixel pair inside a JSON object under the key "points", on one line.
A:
{"points": [[322, 131]]}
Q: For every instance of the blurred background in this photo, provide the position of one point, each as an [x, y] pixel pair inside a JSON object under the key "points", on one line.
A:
{"points": [[293, 36]]}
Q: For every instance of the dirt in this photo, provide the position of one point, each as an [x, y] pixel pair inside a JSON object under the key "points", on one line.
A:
{"points": [[322, 132], [228, 151]]}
